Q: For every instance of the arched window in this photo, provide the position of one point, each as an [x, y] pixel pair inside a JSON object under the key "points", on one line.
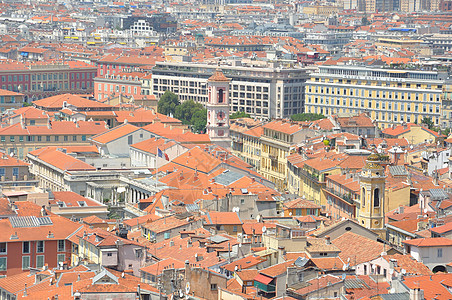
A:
{"points": [[364, 197], [377, 197], [220, 96]]}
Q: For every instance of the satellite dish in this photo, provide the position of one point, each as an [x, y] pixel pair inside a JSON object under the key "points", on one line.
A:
{"points": [[403, 271], [343, 276], [258, 218], [391, 271], [425, 210], [290, 214], [240, 245], [236, 268], [264, 229], [187, 288]]}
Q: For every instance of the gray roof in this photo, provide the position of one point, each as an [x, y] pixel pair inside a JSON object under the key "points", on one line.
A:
{"points": [[398, 171], [301, 261], [226, 178], [29, 221], [355, 283], [398, 296], [192, 207], [438, 194], [218, 239]]}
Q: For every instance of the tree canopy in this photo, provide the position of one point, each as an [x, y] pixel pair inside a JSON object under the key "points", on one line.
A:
{"points": [[239, 114], [192, 113], [168, 103], [307, 117]]}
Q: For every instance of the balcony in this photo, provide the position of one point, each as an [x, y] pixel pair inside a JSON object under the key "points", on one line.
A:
{"points": [[346, 197]]}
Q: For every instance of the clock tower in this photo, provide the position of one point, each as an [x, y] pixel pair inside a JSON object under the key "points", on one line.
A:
{"points": [[218, 109]]}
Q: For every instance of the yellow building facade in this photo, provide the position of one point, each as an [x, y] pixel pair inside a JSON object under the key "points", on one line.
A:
{"points": [[387, 95]]}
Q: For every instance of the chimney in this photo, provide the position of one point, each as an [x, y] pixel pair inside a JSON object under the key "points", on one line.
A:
{"points": [[43, 211], [327, 240], [25, 291], [22, 122]]}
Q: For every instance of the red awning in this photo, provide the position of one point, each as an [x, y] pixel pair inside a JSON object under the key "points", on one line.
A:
{"points": [[263, 279]]}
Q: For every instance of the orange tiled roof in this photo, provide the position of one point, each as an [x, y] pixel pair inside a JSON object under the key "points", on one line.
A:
{"points": [[218, 76], [56, 128], [77, 101], [358, 249], [114, 133], [430, 242], [61, 160]]}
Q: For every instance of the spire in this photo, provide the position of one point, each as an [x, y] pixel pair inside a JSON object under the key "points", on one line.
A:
{"points": [[218, 76]]}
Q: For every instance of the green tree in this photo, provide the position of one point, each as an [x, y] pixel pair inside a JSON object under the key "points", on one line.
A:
{"points": [[428, 122], [192, 113], [307, 117], [168, 103], [238, 115], [364, 21], [186, 110], [199, 120]]}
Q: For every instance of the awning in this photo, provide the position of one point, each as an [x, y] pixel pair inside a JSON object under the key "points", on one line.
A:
{"points": [[263, 279]]}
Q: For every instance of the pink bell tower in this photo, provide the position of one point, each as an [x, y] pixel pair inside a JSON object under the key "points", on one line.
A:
{"points": [[218, 109]]}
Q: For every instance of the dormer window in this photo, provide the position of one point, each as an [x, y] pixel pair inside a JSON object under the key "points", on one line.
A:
{"points": [[61, 204], [81, 203]]}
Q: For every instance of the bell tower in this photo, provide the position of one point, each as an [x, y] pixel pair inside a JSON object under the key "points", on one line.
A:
{"points": [[218, 109], [372, 184]]}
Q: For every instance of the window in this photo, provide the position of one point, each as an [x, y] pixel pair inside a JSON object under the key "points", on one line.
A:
{"points": [[166, 235], [40, 247], [26, 247], [57, 138], [130, 139], [440, 252], [15, 171], [234, 228], [61, 258], [3, 263], [48, 138], [109, 254], [364, 197], [83, 137], [21, 138], [377, 197], [213, 287], [39, 261], [61, 245], [2, 248], [25, 262]]}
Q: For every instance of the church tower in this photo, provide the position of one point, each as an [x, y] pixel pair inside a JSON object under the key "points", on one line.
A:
{"points": [[372, 184], [218, 109]]}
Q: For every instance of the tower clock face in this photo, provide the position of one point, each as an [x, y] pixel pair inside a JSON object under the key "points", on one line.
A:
{"points": [[221, 115]]}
